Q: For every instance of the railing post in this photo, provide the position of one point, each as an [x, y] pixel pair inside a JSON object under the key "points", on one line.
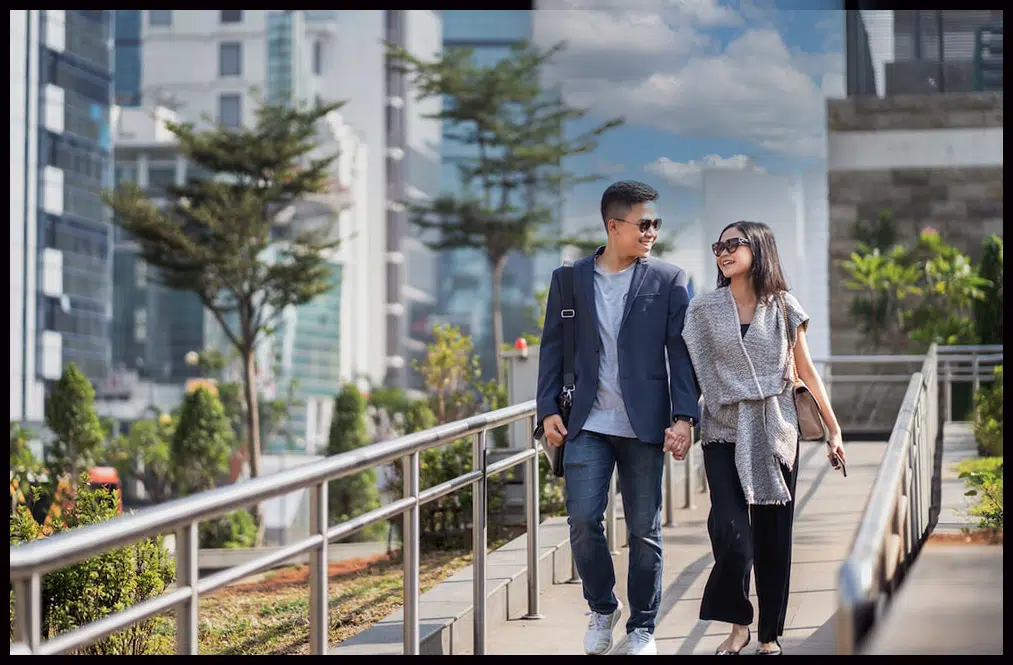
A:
{"points": [[186, 576], [534, 543], [610, 516], [948, 395], [669, 476], [976, 367], [479, 541], [688, 502], [28, 612], [410, 555], [828, 381], [318, 578]]}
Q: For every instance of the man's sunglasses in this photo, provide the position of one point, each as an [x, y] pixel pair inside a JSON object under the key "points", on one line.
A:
{"points": [[644, 225], [730, 245]]}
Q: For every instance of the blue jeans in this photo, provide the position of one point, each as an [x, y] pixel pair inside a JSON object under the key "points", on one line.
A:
{"points": [[589, 461]]}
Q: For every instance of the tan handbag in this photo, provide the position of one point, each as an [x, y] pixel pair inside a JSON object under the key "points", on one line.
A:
{"points": [[811, 426]]}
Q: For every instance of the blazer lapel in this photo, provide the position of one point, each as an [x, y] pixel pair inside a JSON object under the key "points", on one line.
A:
{"points": [[639, 272]]}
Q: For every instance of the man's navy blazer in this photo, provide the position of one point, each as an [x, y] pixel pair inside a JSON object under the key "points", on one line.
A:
{"points": [[655, 373]]}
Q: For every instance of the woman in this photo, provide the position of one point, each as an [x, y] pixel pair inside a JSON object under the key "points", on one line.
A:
{"points": [[737, 340]]}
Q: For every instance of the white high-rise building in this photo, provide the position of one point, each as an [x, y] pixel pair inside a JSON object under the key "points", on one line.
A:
{"points": [[217, 65], [795, 208]]}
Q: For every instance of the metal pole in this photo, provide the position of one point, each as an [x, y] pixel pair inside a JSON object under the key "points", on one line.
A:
{"points": [[318, 578], [976, 366], [949, 393], [688, 503], [534, 544], [28, 612], [479, 541], [410, 554], [610, 516], [669, 475], [186, 576]]}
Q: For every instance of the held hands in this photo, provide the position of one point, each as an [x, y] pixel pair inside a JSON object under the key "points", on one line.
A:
{"points": [[555, 431], [678, 440]]}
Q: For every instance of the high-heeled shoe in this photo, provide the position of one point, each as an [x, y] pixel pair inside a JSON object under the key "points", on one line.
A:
{"points": [[735, 652], [770, 652]]}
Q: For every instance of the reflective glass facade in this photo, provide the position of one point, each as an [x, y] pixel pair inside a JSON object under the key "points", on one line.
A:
{"points": [[153, 327], [82, 151], [128, 57]]}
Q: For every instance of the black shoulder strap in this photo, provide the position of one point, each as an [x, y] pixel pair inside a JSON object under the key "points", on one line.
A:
{"points": [[567, 313]]}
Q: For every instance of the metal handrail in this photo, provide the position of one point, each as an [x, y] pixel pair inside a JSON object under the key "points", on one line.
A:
{"points": [[897, 517], [30, 561]]}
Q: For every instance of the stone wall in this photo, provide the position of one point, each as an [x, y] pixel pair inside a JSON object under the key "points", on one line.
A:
{"points": [[964, 204], [949, 111]]}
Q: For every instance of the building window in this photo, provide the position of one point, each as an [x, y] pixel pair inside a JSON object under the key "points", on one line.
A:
{"points": [[230, 59], [160, 17], [230, 111], [318, 57], [231, 15]]}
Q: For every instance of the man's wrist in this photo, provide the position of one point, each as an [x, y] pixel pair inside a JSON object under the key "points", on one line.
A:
{"points": [[689, 419]]}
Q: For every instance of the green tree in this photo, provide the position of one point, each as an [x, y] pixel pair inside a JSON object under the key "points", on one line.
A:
{"points": [[90, 590], [920, 294], [450, 371], [358, 493], [216, 236], [988, 310], [517, 129], [146, 454], [988, 416], [201, 442], [77, 433]]}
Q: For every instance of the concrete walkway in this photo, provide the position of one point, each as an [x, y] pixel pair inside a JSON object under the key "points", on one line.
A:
{"points": [[951, 600], [828, 510]]}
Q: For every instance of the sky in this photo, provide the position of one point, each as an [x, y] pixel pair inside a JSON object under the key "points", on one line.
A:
{"points": [[700, 83]]}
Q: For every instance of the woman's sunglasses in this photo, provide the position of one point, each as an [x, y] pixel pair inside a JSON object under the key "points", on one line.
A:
{"points": [[730, 245], [643, 225]]}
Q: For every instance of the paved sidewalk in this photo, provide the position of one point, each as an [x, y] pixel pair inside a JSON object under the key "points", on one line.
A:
{"points": [[950, 603], [828, 510]]}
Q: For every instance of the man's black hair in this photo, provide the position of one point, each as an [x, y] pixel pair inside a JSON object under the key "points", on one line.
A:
{"points": [[623, 195]]}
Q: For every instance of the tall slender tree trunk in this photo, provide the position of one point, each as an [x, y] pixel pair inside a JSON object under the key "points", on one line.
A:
{"points": [[498, 264], [253, 430]]}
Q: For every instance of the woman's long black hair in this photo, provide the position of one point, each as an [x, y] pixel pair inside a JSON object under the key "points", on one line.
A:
{"points": [[768, 278]]}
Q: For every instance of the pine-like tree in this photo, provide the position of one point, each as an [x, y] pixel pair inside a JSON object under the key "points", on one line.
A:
{"points": [[516, 131], [215, 235], [358, 493]]}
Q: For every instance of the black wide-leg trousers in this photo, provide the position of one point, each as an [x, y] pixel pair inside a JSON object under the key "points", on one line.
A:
{"points": [[742, 538]]}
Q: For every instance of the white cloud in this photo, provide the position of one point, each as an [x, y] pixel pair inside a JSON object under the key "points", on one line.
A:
{"points": [[654, 64], [688, 174]]}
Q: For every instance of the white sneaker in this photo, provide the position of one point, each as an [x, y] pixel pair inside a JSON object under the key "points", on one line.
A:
{"points": [[598, 638], [641, 643]]}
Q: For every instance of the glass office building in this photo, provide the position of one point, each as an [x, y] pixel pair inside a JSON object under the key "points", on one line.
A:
{"points": [[465, 276], [75, 66], [127, 72]]}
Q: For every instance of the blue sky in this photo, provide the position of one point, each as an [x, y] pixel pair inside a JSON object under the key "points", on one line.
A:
{"points": [[721, 84]]}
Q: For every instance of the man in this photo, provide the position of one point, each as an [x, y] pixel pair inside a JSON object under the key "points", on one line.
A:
{"points": [[627, 410]]}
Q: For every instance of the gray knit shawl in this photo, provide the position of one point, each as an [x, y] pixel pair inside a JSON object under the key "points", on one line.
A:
{"points": [[744, 386]]}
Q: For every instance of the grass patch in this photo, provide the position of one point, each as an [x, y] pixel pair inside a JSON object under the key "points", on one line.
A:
{"points": [[270, 616]]}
